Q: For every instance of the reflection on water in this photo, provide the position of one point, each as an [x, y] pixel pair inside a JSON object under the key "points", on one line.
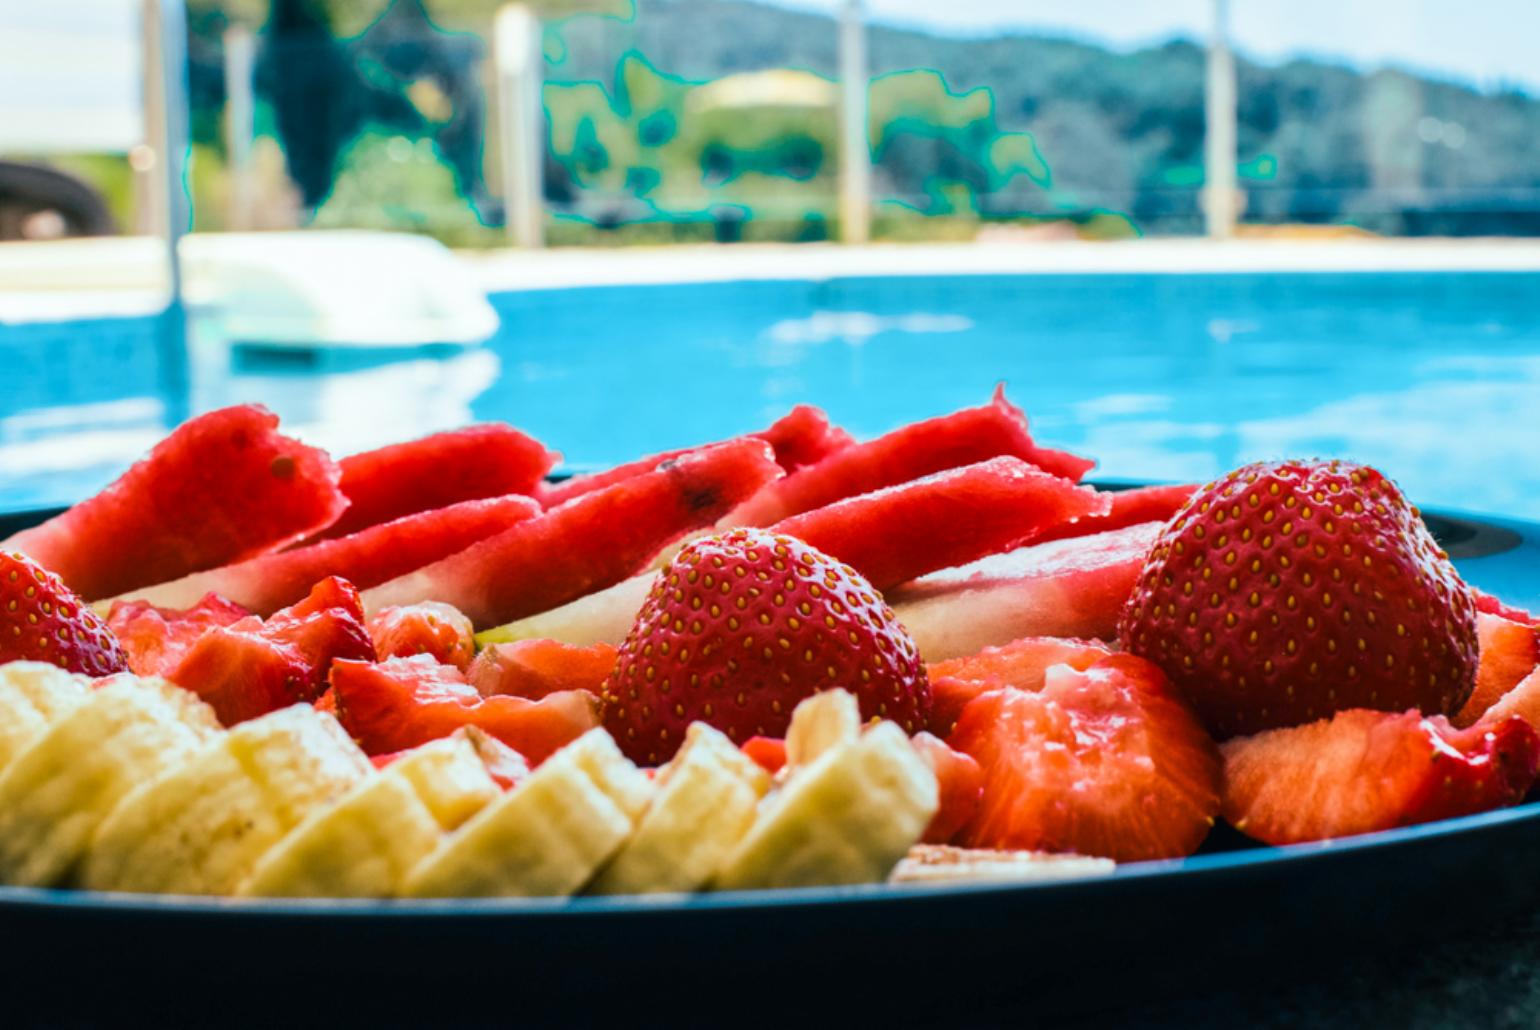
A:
{"points": [[1433, 377]]}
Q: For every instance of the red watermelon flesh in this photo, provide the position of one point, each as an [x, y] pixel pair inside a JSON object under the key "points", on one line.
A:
{"points": [[891, 536], [467, 464], [801, 437], [918, 449], [368, 557], [588, 543], [220, 488], [1067, 588], [1128, 508]]}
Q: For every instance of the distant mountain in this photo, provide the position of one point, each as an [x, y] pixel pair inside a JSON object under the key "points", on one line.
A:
{"points": [[1319, 142]]}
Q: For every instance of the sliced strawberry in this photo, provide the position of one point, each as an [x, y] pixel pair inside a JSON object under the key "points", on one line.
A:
{"points": [[403, 702], [961, 783], [467, 464], [893, 535], [1021, 664], [42, 620], [1108, 762], [1523, 701], [909, 452], [429, 628], [537, 668], [155, 639], [588, 543], [1509, 651], [1128, 508], [1361, 771], [769, 753], [249, 668]]}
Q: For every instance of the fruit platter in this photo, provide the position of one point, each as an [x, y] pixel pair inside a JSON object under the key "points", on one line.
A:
{"points": [[871, 700]]}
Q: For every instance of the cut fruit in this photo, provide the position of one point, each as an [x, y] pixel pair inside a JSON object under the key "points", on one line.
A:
{"points": [[438, 471], [57, 791], [458, 776], [34, 695], [1107, 762], [1129, 508], [155, 639], [368, 557], [602, 617], [769, 753], [893, 535], [916, 450], [1022, 664], [404, 702], [1510, 651], [438, 630], [203, 826], [251, 667], [1523, 700], [801, 437], [705, 803], [1492, 606], [1067, 588], [960, 784], [932, 864], [547, 837], [589, 543], [220, 488], [1362, 771], [538, 668]]}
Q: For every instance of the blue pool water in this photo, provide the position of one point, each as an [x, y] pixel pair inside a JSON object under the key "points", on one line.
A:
{"points": [[1434, 377]]}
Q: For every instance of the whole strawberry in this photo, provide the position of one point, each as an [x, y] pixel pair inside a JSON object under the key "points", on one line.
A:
{"points": [[42, 620], [1284, 592], [740, 627]]}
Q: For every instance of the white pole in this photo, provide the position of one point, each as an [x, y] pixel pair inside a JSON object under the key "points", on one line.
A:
{"points": [[855, 206], [521, 136], [1219, 152], [161, 162], [240, 124]]}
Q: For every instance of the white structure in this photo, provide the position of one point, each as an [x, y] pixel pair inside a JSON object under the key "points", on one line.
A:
{"points": [[516, 51], [855, 181], [1220, 197]]}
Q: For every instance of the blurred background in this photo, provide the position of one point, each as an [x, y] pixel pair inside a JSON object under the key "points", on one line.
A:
{"points": [[1187, 233]]}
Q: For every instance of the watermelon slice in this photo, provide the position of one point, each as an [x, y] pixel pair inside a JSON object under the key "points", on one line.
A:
{"points": [[919, 449], [467, 464], [590, 542], [273, 581], [893, 535], [222, 487], [1129, 508], [1067, 588], [801, 437]]}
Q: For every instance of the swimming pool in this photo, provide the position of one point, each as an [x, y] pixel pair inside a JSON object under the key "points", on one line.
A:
{"points": [[1433, 376]]}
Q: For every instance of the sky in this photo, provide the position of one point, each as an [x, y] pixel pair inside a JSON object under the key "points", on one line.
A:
{"points": [[1485, 42]]}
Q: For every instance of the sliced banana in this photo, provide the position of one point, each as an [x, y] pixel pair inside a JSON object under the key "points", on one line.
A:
{"points": [[820, 723], [55, 793], [705, 803], [32, 696], [847, 816], [202, 827], [941, 863], [545, 837]]}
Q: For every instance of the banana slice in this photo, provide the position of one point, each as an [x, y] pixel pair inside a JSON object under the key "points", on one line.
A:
{"points": [[929, 864], [33, 695], [453, 780], [705, 803], [546, 836], [820, 723], [57, 791], [847, 816], [202, 827]]}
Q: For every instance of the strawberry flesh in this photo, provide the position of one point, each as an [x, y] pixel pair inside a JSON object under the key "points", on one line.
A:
{"points": [[1286, 591], [893, 535], [42, 620], [1510, 651], [961, 784], [591, 542], [739, 628], [1362, 771], [1108, 762], [155, 639], [918, 449], [1022, 664], [403, 702], [769, 753], [537, 668], [429, 628]]}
